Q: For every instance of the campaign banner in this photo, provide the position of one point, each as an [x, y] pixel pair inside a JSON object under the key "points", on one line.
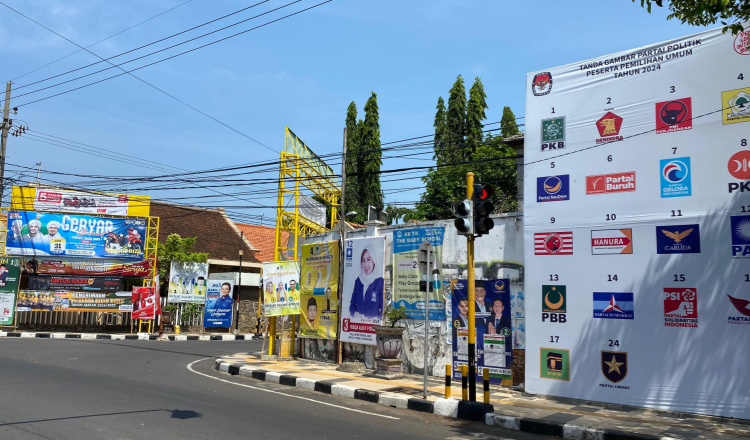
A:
{"points": [[83, 202], [146, 303], [39, 233], [319, 295], [103, 284], [86, 267], [281, 288], [363, 289], [493, 328], [408, 272], [10, 271], [187, 282], [218, 311], [72, 301]]}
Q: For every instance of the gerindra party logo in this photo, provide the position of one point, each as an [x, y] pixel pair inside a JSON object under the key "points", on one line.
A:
{"points": [[541, 84], [609, 128], [675, 177], [676, 115], [681, 307]]}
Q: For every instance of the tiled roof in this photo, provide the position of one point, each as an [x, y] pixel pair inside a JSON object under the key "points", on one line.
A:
{"points": [[215, 232], [263, 238]]}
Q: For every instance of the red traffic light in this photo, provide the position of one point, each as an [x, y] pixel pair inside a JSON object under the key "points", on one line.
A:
{"points": [[483, 192]]}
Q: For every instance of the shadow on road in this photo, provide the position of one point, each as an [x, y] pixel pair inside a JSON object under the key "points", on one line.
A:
{"points": [[176, 414]]}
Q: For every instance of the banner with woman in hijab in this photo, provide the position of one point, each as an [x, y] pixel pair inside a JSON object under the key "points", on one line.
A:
{"points": [[363, 289]]}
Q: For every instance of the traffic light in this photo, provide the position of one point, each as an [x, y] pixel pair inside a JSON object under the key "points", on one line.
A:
{"points": [[464, 218], [482, 209]]}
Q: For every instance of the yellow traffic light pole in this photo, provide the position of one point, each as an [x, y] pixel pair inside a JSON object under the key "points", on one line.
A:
{"points": [[472, 301]]}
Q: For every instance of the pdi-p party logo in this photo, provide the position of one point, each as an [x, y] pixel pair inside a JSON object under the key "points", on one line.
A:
{"points": [[675, 115], [675, 177]]}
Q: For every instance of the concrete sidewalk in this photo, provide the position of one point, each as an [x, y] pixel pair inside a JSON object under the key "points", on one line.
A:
{"points": [[564, 418]]}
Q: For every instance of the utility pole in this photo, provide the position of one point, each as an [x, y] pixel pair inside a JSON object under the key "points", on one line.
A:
{"points": [[342, 234], [4, 139], [38, 171], [472, 299], [239, 287]]}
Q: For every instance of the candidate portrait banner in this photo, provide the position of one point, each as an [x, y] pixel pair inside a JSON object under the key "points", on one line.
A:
{"points": [[187, 282], [10, 271], [146, 303], [72, 301], [39, 233], [281, 288], [320, 290], [219, 305], [363, 289], [64, 282], [492, 322], [408, 272], [85, 267]]}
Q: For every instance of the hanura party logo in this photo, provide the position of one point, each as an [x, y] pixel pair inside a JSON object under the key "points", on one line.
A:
{"points": [[611, 241], [609, 128], [736, 106], [541, 84], [553, 243], [675, 115], [553, 188], [675, 177], [681, 307]]}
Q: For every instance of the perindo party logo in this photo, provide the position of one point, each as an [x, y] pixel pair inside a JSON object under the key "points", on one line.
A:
{"points": [[736, 106], [740, 227], [553, 243], [609, 128], [739, 168], [612, 241], [554, 304], [614, 365], [678, 239], [613, 305], [553, 134], [740, 311], [680, 307], [553, 188], [675, 115], [675, 177], [742, 43], [610, 183], [541, 84], [554, 363]]}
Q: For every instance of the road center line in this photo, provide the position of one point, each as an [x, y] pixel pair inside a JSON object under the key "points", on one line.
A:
{"points": [[190, 367]]}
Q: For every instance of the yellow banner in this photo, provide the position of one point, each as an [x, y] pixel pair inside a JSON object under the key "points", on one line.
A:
{"points": [[320, 290]]}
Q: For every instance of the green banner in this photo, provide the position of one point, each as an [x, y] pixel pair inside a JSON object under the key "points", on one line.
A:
{"points": [[10, 270]]}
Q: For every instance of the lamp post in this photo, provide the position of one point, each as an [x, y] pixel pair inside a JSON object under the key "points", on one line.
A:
{"points": [[239, 287]]}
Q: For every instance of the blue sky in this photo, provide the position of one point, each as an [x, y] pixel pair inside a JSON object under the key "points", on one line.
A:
{"points": [[301, 72]]}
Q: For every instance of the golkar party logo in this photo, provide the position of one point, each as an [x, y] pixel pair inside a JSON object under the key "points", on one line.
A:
{"points": [[680, 307], [553, 134], [739, 168], [678, 239], [609, 128], [553, 188], [613, 305], [736, 106], [612, 241], [740, 225], [676, 115], [742, 306], [553, 243], [610, 183], [614, 366], [675, 177], [541, 84]]}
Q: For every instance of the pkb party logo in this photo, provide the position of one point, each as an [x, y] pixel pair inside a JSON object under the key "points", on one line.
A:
{"points": [[675, 177], [553, 188]]}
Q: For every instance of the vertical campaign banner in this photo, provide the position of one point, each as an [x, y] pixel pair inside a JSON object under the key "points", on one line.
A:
{"points": [[363, 289], [218, 311], [146, 303], [187, 282], [492, 323], [10, 270], [319, 295], [281, 288], [408, 272]]}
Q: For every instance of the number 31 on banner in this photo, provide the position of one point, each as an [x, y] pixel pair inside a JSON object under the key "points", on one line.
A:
{"points": [[57, 246]]}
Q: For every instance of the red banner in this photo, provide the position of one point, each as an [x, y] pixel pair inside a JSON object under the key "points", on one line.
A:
{"points": [[146, 303], [86, 267]]}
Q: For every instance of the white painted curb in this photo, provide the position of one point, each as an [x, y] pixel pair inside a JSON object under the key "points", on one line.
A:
{"points": [[57, 335], [394, 400], [507, 422], [180, 338], [446, 407], [343, 391], [28, 335], [272, 377], [246, 371], [143, 336], [224, 367], [204, 338], [88, 336], [577, 432], [118, 337], [307, 384]]}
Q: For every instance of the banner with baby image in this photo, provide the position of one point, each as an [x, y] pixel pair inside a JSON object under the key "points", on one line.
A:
{"points": [[363, 289], [281, 288], [320, 290]]}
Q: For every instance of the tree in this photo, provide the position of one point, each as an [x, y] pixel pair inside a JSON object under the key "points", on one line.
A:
{"points": [[353, 150], [475, 114], [508, 124], [456, 122], [706, 12], [369, 180], [179, 249], [441, 130]]}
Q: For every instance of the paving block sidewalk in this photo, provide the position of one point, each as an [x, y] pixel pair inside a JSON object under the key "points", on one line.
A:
{"points": [[566, 418]]}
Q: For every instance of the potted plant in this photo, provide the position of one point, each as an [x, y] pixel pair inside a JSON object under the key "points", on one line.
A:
{"points": [[388, 336]]}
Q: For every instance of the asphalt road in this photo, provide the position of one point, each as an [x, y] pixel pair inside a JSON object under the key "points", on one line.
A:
{"points": [[97, 389]]}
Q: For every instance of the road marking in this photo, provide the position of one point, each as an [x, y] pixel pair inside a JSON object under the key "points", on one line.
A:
{"points": [[190, 367]]}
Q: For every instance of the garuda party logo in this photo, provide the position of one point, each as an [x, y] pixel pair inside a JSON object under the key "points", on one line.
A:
{"points": [[541, 84]]}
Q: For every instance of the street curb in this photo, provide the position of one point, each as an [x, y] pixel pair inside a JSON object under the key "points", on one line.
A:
{"points": [[457, 409], [128, 337]]}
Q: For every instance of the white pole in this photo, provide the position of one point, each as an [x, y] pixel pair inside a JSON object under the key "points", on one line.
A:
{"points": [[428, 281]]}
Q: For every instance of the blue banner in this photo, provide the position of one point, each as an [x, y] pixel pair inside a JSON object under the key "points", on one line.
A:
{"points": [[409, 272], [218, 311], [40, 233]]}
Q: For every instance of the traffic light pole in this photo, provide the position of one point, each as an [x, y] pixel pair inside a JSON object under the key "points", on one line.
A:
{"points": [[472, 300]]}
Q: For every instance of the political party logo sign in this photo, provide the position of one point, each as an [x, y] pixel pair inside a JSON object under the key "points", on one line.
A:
{"points": [[408, 272], [554, 304], [553, 134], [83, 202], [187, 282], [66, 282], [614, 365], [281, 288], [72, 235], [553, 188], [675, 177], [541, 84], [740, 228], [680, 307], [609, 127], [610, 183], [736, 106], [739, 168], [742, 43], [612, 241], [678, 239], [10, 275], [740, 311], [553, 243], [675, 115], [363, 290], [86, 267], [219, 303], [319, 295], [613, 305], [554, 363]]}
